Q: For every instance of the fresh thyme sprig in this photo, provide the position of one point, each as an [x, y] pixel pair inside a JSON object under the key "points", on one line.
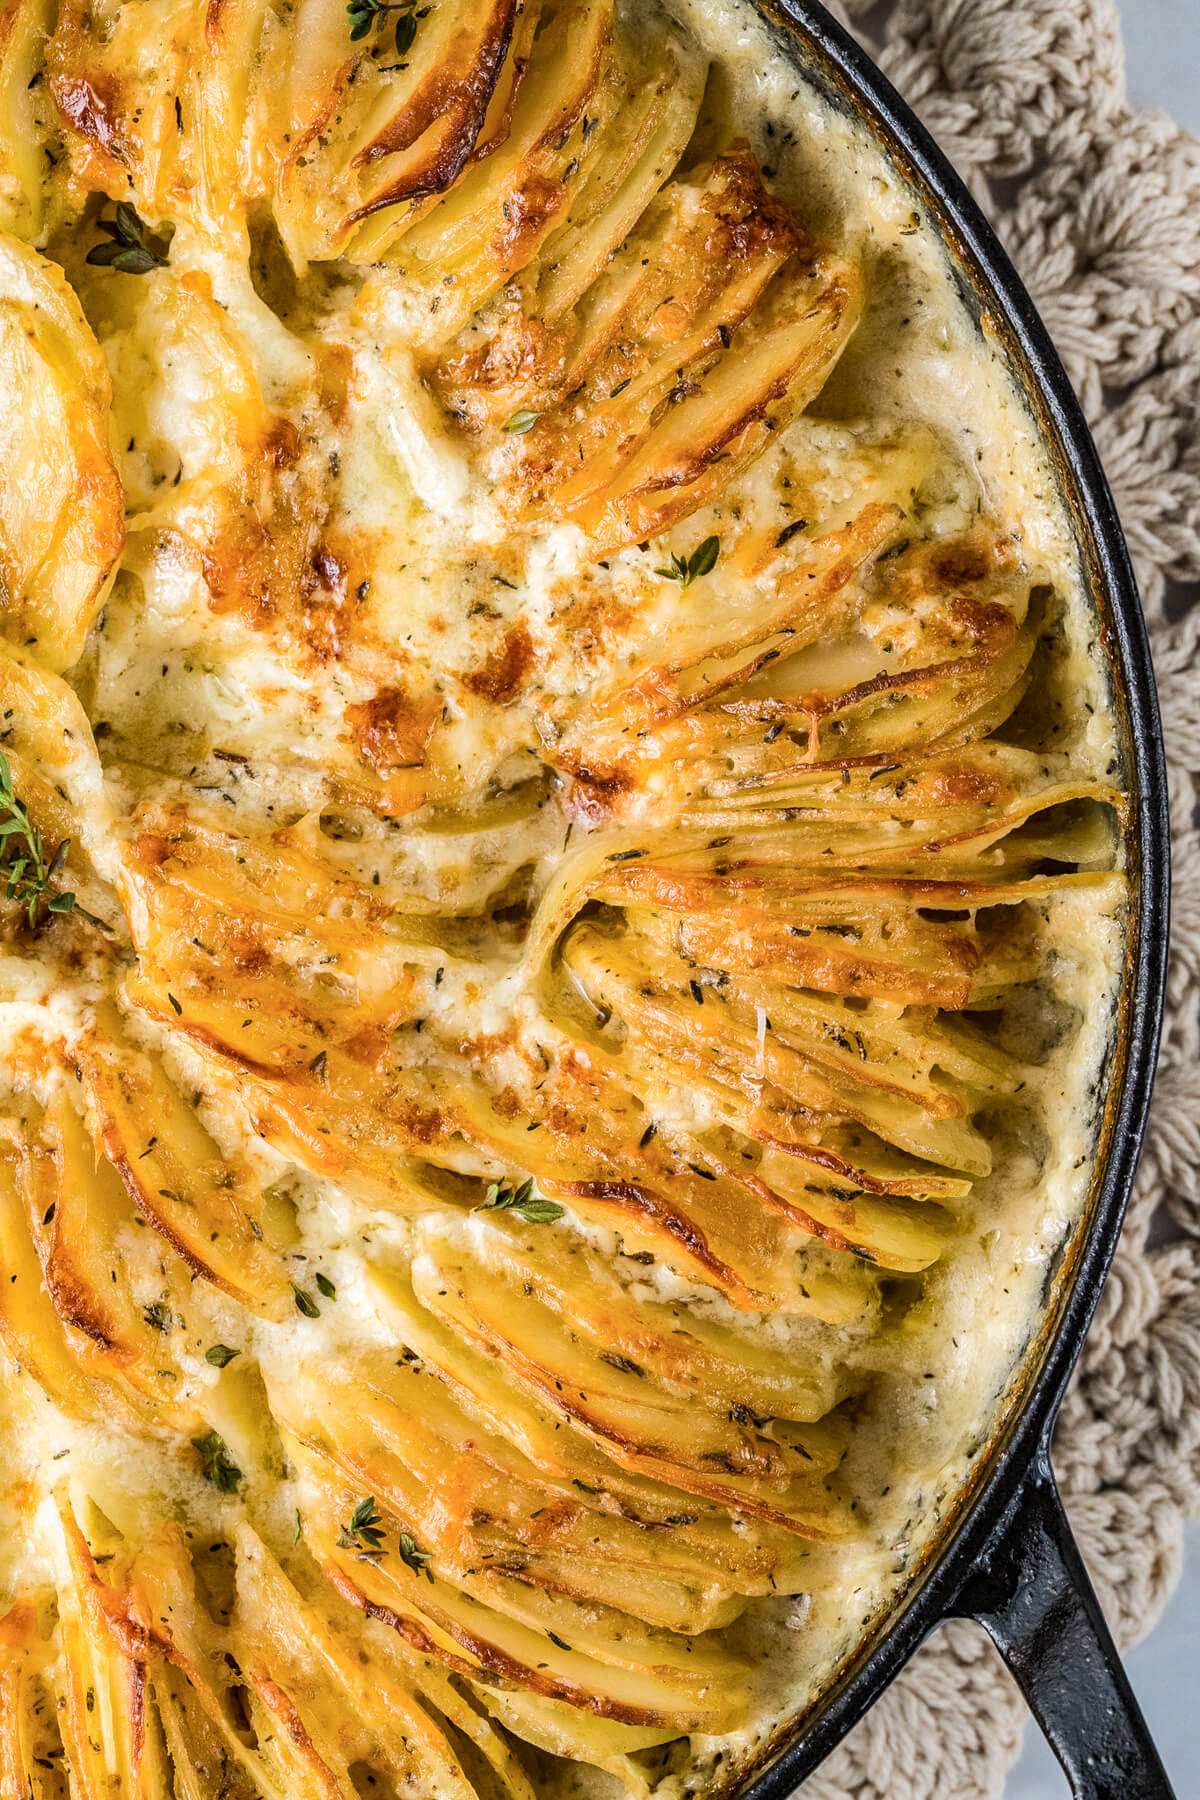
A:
{"points": [[219, 1466], [24, 863], [131, 248], [686, 569], [364, 1531], [365, 15], [525, 1201]]}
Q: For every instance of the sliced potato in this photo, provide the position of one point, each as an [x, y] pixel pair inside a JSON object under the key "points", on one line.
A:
{"points": [[668, 1198], [640, 1682], [398, 1715], [24, 27], [126, 1297], [729, 1038], [30, 1745], [62, 507], [657, 340], [720, 1456], [358, 130], [495, 1526], [203, 1205], [492, 220], [542, 340], [31, 1331], [103, 1682], [682, 1347], [566, 1461], [123, 92]]}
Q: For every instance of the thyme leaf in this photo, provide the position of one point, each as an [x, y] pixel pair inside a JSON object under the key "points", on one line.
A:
{"points": [[524, 1200], [364, 1529], [686, 569], [365, 15], [130, 247], [415, 1558], [219, 1466], [305, 1302]]}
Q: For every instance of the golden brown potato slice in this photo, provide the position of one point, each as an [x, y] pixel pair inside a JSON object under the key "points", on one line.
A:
{"points": [[56, 777], [489, 1519], [30, 1745], [637, 152], [62, 507], [948, 816], [547, 331], [263, 953], [357, 128], [397, 1716], [840, 852], [715, 1032], [933, 651], [563, 1727], [682, 1348], [114, 90], [273, 880], [493, 219], [224, 76], [567, 1462], [108, 1283], [612, 1669], [720, 1455], [835, 644], [157, 103], [635, 381], [712, 648], [173, 1173], [664, 1192], [112, 1748], [216, 1718], [24, 26], [154, 102], [278, 967], [892, 938], [47, 727], [66, 1368]]}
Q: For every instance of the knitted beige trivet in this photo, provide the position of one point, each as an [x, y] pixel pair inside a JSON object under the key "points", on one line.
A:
{"points": [[1099, 207]]}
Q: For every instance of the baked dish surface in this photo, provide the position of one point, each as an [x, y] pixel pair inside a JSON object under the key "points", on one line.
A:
{"points": [[561, 843]]}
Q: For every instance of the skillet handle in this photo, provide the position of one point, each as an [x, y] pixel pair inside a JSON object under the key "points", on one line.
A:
{"points": [[1032, 1595]]}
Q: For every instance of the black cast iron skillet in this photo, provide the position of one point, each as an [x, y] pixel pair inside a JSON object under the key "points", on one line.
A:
{"points": [[1007, 1557]]}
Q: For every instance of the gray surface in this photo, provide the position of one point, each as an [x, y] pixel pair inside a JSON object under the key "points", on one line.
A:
{"points": [[1162, 41], [1162, 44]]}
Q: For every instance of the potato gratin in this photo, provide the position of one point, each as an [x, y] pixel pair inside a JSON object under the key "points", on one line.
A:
{"points": [[561, 838]]}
